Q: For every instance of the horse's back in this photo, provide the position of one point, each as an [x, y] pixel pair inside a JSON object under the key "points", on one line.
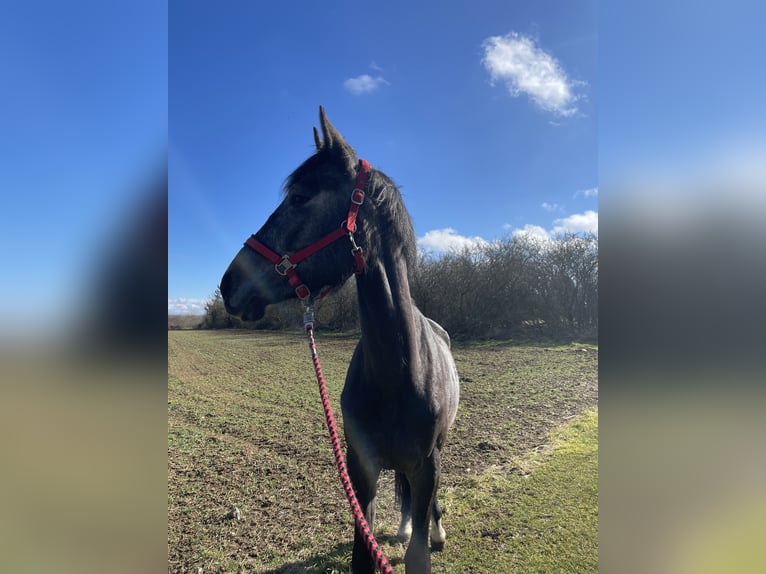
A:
{"points": [[439, 331], [442, 368]]}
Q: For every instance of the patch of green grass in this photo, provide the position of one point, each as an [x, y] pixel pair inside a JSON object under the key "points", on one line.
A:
{"points": [[539, 515]]}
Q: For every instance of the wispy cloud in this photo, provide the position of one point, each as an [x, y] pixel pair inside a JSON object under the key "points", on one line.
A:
{"points": [[525, 68], [444, 240], [364, 84], [550, 206], [587, 193]]}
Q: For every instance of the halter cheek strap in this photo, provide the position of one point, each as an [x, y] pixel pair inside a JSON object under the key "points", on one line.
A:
{"points": [[285, 264]]}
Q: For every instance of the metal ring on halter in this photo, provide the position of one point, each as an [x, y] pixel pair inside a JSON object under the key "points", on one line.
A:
{"points": [[344, 225], [284, 266], [303, 292]]}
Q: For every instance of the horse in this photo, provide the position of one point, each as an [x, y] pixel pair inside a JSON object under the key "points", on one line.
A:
{"points": [[401, 391]]}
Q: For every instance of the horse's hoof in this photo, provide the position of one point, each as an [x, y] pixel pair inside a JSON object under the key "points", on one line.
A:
{"points": [[438, 535]]}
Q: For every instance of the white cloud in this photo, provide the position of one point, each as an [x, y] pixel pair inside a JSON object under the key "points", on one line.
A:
{"points": [[577, 223], [525, 68], [550, 206], [532, 232], [444, 240], [186, 306], [587, 193], [447, 239], [364, 84]]}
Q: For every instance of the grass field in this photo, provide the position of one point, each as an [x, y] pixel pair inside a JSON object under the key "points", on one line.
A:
{"points": [[246, 430]]}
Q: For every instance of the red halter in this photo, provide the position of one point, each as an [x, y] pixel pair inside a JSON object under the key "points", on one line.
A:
{"points": [[285, 264]]}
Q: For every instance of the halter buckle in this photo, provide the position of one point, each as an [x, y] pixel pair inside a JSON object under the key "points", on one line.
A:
{"points": [[284, 265], [357, 196]]}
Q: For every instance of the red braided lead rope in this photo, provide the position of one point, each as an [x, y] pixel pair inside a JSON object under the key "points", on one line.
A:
{"points": [[361, 523]]}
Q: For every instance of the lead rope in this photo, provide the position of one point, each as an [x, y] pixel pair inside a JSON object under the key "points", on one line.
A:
{"points": [[361, 523]]}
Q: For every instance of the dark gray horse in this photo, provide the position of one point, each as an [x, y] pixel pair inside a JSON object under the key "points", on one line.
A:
{"points": [[401, 393]]}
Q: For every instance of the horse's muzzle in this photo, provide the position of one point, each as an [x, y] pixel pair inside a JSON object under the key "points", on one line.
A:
{"points": [[236, 300]]}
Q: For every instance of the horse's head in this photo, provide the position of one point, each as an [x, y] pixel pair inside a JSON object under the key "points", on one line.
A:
{"points": [[316, 203]]}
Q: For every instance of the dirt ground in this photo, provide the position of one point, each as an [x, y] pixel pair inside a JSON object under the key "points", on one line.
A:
{"points": [[246, 436]]}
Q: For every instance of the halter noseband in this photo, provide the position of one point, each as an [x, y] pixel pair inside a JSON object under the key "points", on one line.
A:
{"points": [[285, 264]]}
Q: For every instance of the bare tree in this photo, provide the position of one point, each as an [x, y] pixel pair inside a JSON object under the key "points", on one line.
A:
{"points": [[339, 311], [520, 286]]}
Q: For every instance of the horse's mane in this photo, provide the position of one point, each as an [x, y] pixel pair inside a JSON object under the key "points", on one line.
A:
{"points": [[396, 228]]}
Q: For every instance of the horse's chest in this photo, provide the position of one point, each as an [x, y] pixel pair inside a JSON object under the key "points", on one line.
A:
{"points": [[389, 429]]}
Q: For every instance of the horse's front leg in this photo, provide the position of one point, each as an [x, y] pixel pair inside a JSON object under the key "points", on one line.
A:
{"points": [[364, 478], [423, 484], [405, 499]]}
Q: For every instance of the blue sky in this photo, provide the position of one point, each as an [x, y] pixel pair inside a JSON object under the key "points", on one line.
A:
{"points": [[83, 127], [682, 88], [90, 91], [485, 116]]}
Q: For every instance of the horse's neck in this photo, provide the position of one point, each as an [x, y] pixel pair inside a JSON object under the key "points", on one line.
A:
{"points": [[387, 316]]}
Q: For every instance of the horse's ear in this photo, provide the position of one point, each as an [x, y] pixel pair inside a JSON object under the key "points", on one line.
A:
{"points": [[333, 140], [331, 136], [317, 141]]}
